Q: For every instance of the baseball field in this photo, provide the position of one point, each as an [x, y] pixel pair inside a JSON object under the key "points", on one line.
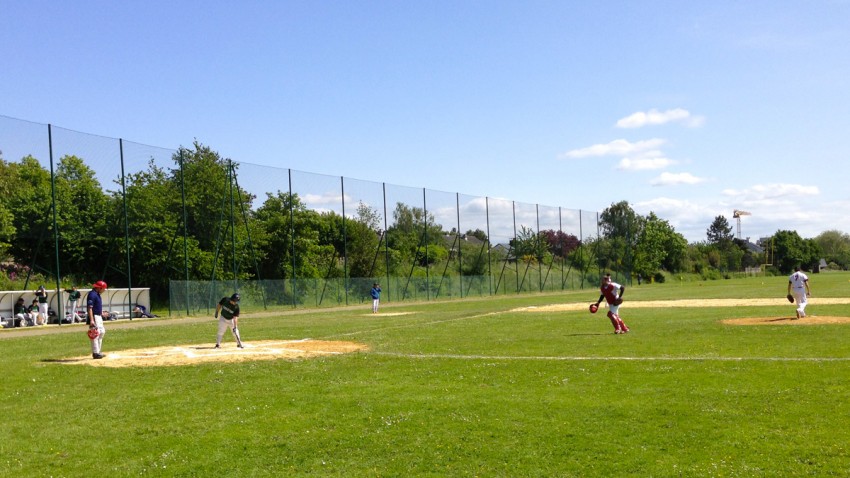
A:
{"points": [[714, 379]]}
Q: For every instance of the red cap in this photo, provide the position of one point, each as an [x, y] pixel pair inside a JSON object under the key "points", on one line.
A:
{"points": [[100, 285]]}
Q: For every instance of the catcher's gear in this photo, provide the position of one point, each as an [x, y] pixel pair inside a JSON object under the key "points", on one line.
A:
{"points": [[790, 298], [593, 308], [93, 333]]}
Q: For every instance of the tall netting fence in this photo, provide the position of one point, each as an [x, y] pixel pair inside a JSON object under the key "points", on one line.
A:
{"points": [[194, 227]]}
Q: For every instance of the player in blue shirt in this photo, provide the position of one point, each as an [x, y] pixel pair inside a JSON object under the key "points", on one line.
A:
{"points": [[94, 318], [376, 297]]}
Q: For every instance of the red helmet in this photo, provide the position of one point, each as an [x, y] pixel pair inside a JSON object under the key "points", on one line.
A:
{"points": [[100, 285]]}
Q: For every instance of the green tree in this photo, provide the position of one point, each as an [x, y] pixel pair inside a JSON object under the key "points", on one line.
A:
{"points": [[720, 232], [157, 247], [292, 245], [478, 233], [362, 244], [30, 202], [652, 246], [411, 230], [8, 182], [791, 250], [620, 227], [85, 238], [217, 210], [528, 246], [836, 247]]}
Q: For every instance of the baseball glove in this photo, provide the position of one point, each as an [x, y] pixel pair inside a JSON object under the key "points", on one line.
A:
{"points": [[790, 298], [618, 301], [593, 308], [92, 333]]}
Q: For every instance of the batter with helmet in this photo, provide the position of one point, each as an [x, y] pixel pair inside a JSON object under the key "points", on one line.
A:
{"points": [[612, 292], [94, 318], [229, 309]]}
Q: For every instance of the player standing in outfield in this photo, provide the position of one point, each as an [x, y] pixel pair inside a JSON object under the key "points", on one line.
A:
{"points": [[798, 286], [376, 297], [229, 309], [94, 318], [612, 292]]}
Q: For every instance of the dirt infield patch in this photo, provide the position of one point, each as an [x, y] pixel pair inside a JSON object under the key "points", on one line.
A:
{"points": [[791, 320], [687, 303], [196, 354], [809, 320]]}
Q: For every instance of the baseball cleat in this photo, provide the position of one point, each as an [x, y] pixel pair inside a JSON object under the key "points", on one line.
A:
{"points": [[97, 356], [217, 346]]}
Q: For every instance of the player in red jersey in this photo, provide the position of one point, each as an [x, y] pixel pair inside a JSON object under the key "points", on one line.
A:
{"points": [[612, 292]]}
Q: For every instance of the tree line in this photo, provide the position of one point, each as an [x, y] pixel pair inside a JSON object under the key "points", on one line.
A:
{"points": [[193, 220]]}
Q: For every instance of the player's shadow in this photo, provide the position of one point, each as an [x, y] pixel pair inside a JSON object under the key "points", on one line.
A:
{"points": [[67, 360], [780, 319], [593, 334]]}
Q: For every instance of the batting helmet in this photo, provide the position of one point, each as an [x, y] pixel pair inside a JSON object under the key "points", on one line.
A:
{"points": [[92, 333], [235, 297], [593, 308], [100, 285]]}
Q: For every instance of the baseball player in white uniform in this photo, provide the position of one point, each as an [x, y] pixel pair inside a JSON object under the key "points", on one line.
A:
{"points": [[798, 286]]}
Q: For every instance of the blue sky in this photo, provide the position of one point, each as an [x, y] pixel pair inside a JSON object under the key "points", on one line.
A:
{"points": [[686, 109]]}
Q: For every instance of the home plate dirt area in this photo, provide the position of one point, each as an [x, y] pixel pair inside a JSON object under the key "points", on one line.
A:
{"points": [[196, 354], [810, 319]]}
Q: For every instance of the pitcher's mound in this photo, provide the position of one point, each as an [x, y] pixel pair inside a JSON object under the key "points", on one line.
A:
{"points": [[196, 354], [810, 320]]}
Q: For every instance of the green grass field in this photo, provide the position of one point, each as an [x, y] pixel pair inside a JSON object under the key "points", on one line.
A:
{"points": [[460, 388]]}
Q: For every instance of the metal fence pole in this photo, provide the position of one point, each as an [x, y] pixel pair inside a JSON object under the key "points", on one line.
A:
{"points": [[185, 231], [55, 228], [345, 277], [126, 231]]}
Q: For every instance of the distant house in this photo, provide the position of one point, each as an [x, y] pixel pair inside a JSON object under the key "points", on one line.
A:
{"points": [[450, 242], [754, 248], [822, 265], [505, 249]]}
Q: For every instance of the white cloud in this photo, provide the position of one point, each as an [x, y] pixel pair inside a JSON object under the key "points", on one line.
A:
{"points": [[769, 212], [674, 179], [762, 192], [618, 147], [655, 117], [651, 161]]}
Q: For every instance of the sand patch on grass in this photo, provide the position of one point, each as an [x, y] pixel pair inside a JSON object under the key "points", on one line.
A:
{"points": [[197, 354]]}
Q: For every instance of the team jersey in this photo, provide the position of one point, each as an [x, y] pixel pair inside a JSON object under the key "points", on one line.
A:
{"points": [[610, 291], [73, 294], [42, 297], [94, 301], [798, 280], [376, 292], [228, 310]]}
